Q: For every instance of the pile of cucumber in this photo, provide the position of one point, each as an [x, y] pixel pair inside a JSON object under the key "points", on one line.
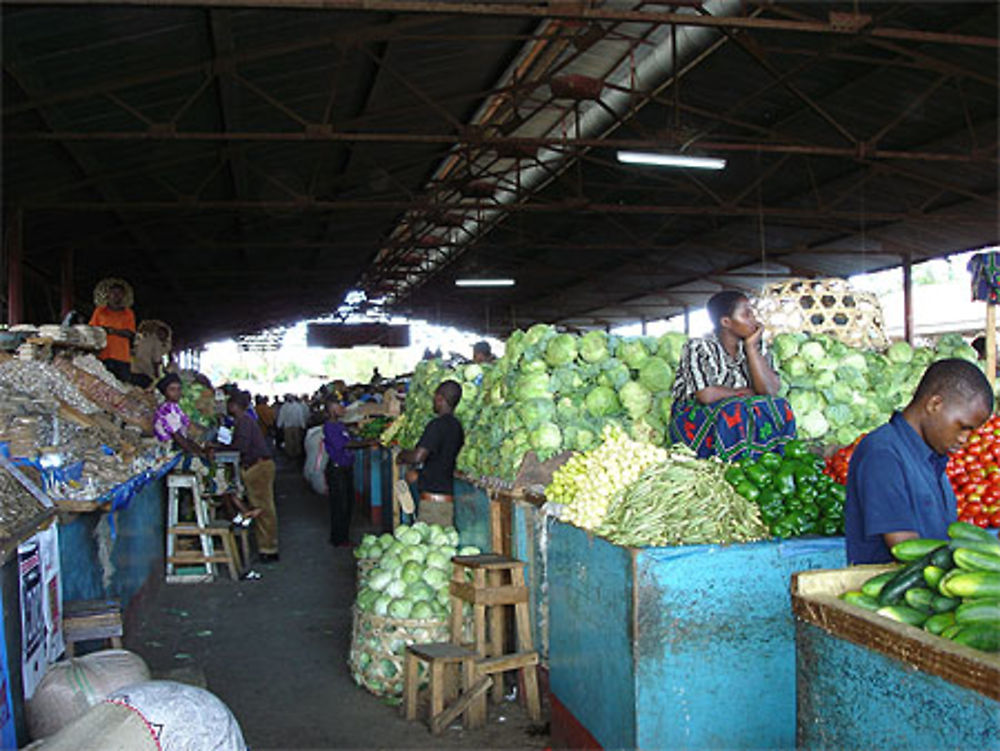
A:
{"points": [[950, 588]]}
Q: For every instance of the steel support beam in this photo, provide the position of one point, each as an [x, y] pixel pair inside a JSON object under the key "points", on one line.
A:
{"points": [[325, 134], [571, 11]]}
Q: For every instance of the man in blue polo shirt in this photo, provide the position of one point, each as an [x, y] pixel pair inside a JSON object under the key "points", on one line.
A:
{"points": [[896, 485]]}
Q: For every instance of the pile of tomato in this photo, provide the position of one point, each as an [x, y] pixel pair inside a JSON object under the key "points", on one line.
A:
{"points": [[974, 472], [838, 462]]}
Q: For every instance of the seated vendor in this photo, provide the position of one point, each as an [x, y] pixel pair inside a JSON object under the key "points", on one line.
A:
{"points": [[170, 423], [724, 392], [897, 488]]}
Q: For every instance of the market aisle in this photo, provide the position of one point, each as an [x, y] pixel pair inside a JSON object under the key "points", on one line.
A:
{"points": [[275, 650]]}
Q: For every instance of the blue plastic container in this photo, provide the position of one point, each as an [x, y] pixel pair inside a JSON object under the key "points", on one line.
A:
{"points": [[675, 648]]}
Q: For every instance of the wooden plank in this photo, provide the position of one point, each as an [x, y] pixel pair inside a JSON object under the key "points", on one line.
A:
{"points": [[196, 557], [506, 594], [441, 721], [815, 600], [488, 561], [442, 651], [503, 663]]}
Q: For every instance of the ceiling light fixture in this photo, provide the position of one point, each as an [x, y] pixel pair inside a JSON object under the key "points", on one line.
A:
{"points": [[484, 282], [670, 160]]}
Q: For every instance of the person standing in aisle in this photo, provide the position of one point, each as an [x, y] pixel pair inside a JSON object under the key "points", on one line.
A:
{"points": [[482, 352], [292, 423], [725, 392], [435, 456], [339, 472], [897, 488], [257, 470], [113, 313], [265, 416]]}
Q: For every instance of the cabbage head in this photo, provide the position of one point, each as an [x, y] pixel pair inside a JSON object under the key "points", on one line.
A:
{"points": [[803, 401], [900, 352], [411, 572], [584, 439], [633, 353], [366, 599], [636, 399], [795, 367], [437, 559], [812, 352], [534, 412], [381, 604], [400, 608], [533, 386], [379, 580], [414, 553], [567, 410], [561, 350], [567, 380], [389, 562], [420, 590], [396, 588], [422, 611], [656, 375], [594, 346], [546, 439], [537, 334], [602, 401], [812, 425], [437, 577], [469, 550], [614, 373], [786, 345], [671, 345]]}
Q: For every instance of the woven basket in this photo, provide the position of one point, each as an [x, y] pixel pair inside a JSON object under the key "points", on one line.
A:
{"points": [[823, 306], [378, 644]]}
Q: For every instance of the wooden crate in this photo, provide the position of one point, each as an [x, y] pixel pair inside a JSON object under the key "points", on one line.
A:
{"points": [[864, 681]]}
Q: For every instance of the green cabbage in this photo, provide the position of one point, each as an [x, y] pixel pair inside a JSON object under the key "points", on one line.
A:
{"points": [[636, 399], [533, 386], [561, 350], [656, 375], [602, 401], [534, 412], [400, 608], [546, 439], [633, 353], [411, 572], [423, 611], [671, 345], [900, 352], [594, 346], [614, 373]]}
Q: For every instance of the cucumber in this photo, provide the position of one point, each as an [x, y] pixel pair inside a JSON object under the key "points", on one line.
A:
{"points": [[936, 624], [903, 614], [980, 546], [933, 576], [873, 586], [942, 604], [860, 599], [942, 559], [966, 531], [946, 579], [982, 636], [911, 575], [972, 560], [950, 632], [919, 598], [987, 611], [911, 550], [973, 584]]}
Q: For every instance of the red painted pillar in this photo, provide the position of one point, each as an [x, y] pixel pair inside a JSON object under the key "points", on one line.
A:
{"points": [[15, 266]]}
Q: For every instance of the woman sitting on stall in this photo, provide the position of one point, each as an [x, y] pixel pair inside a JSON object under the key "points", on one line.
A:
{"points": [[724, 393], [170, 423]]}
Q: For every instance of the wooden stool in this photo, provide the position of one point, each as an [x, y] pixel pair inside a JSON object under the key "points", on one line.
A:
{"points": [[230, 554], [88, 620], [176, 481], [497, 581], [471, 704]]}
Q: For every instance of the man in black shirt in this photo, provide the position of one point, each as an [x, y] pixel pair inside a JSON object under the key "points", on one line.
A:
{"points": [[435, 455]]}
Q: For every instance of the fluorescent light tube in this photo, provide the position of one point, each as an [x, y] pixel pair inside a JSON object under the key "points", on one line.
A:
{"points": [[670, 160], [484, 282]]}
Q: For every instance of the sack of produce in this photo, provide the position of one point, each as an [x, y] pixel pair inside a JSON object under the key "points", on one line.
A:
{"points": [[402, 599], [72, 686], [314, 470], [155, 715]]}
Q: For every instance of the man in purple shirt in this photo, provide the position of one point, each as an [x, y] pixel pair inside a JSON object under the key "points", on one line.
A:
{"points": [[339, 472], [257, 470]]}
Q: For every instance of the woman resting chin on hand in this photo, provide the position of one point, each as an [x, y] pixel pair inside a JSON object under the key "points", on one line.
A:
{"points": [[724, 393]]}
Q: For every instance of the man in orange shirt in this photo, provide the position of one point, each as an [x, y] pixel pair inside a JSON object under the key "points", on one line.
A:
{"points": [[119, 323]]}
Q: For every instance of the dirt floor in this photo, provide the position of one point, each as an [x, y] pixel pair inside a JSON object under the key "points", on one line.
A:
{"points": [[275, 650]]}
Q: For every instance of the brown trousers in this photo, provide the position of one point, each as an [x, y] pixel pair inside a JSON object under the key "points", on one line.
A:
{"points": [[259, 483], [293, 442], [436, 512]]}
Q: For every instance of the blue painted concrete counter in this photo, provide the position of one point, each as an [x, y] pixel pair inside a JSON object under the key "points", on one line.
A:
{"points": [[472, 514], [682, 648]]}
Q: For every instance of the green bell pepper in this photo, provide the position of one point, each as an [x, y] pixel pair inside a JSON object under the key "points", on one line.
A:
{"points": [[796, 450], [748, 490], [758, 475], [770, 461], [784, 481], [735, 475]]}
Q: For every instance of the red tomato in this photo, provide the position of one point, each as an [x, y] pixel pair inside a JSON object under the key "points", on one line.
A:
{"points": [[981, 520], [973, 507], [967, 518], [995, 519]]}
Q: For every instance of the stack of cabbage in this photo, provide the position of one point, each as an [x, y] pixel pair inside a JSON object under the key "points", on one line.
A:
{"points": [[838, 392], [552, 392], [413, 567], [404, 600]]}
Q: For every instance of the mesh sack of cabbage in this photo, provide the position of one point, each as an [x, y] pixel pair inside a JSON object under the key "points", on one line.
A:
{"points": [[402, 599]]}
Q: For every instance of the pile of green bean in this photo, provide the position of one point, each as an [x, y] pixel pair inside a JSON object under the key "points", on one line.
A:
{"points": [[682, 501]]}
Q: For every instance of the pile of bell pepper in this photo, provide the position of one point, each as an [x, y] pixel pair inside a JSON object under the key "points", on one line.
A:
{"points": [[794, 495]]}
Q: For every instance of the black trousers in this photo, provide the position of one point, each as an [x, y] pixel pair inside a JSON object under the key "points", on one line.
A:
{"points": [[340, 483], [119, 369]]}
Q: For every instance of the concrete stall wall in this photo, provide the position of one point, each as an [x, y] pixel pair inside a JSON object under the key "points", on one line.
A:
{"points": [[529, 543], [472, 515], [687, 647], [853, 698]]}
